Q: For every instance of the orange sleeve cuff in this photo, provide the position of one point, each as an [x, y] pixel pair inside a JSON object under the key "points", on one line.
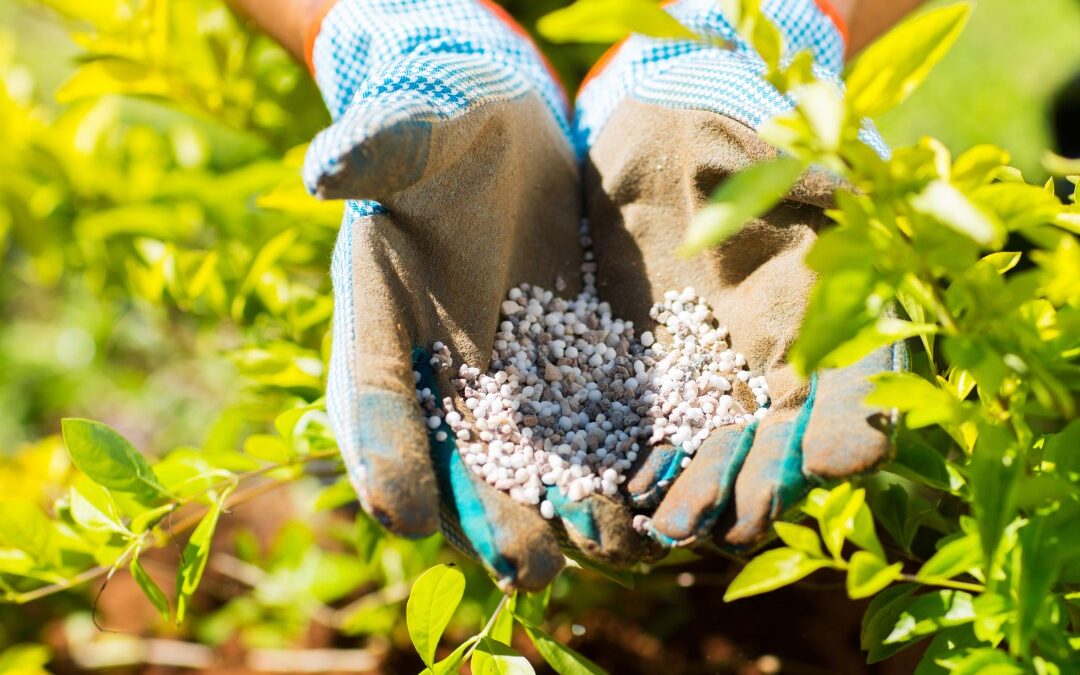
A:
{"points": [[838, 20], [311, 32]]}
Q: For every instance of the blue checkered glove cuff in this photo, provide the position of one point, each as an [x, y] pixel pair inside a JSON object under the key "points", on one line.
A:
{"points": [[364, 47], [694, 75]]}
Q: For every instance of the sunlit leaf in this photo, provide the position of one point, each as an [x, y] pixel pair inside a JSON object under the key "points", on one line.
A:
{"points": [[495, 658], [952, 208], [561, 658], [607, 21], [745, 195], [868, 574], [955, 557], [113, 76], [109, 460], [149, 588], [800, 538], [896, 64], [194, 557], [432, 602], [23, 526], [771, 570]]}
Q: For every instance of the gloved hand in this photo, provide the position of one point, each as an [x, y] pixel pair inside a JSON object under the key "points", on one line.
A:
{"points": [[689, 111], [449, 124]]}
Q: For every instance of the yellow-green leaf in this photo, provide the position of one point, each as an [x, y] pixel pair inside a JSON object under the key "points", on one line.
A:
{"points": [[149, 587], [869, 574], [432, 602], [607, 21], [771, 570], [896, 64], [109, 460], [112, 76], [800, 538], [745, 195], [495, 658]]}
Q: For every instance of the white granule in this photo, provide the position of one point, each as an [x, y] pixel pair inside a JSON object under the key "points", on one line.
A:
{"points": [[573, 395]]}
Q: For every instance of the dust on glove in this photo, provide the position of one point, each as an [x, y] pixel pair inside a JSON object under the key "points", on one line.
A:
{"points": [[691, 109], [450, 140]]}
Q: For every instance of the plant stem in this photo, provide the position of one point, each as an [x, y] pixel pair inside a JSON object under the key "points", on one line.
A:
{"points": [[487, 628], [188, 522], [945, 583]]}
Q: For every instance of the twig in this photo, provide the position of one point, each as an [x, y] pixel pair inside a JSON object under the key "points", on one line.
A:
{"points": [[186, 523], [487, 627]]}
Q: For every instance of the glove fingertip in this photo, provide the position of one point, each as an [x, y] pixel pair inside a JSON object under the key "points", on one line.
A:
{"points": [[367, 155], [702, 492], [391, 470]]}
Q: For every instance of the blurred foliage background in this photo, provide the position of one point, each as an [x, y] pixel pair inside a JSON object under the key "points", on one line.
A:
{"points": [[158, 380], [162, 270]]}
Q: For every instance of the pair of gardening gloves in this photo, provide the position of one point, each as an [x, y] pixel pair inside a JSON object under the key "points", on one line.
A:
{"points": [[465, 177]]}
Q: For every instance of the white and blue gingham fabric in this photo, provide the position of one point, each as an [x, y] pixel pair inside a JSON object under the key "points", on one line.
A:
{"points": [[380, 63], [386, 63], [342, 404], [693, 75]]}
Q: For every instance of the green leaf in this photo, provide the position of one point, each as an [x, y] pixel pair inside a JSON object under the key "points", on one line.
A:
{"points": [[337, 494], [532, 606], [495, 658], [800, 538], [148, 519], [607, 21], [109, 460], [23, 526], [1002, 261], [880, 617], [993, 475], [561, 658], [920, 462], [367, 536], [928, 613], [924, 402], [93, 508], [112, 76], [1060, 166], [837, 517], [432, 602], [955, 557], [25, 659], [771, 570], [502, 630], [952, 208], [885, 331], [992, 611], [149, 588], [978, 165], [890, 69], [862, 532], [742, 196], [947, 647], [837, 313], [452, 663], [869, 574], [193, 558], [268, 448], [986, 661]]}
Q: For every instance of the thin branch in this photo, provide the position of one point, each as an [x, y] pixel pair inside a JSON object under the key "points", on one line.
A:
{"points": [[186, 523], [487, 627], [945, 583]]}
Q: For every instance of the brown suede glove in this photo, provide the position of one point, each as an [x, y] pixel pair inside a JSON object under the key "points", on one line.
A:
{"points": [[641, 195], [459, 136]]}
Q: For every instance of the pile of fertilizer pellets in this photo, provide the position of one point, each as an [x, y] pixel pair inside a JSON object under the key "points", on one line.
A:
{"points": [[573, 395]]}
